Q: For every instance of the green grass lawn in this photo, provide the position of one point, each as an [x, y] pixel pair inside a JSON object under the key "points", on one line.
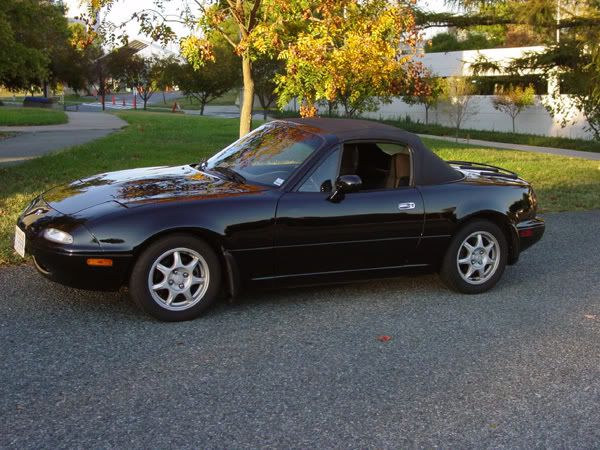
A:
{"points": [[159, 139], [78, 99], [69, 99], [226, 99], [499, 136], [31, 116]]}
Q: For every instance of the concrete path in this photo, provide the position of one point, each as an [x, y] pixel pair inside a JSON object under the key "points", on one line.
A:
{"points": [[224, 111], [526, 148], [34, 141], [77, 121], [156, 99]]}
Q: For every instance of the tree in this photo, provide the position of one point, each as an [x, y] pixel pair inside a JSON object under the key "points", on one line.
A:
{"points": [[140, 73], [70, 63], [429, 96], [356, 52], [210, 81], [513, 100], [109, 67], [245, 15], [458, 96], [211, 17], [166, 73], [31, 32], [99, 76], [449, 42], [265, 71], [570, 31], [352, 48]]}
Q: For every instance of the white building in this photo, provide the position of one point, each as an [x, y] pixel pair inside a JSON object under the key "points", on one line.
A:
{"points": [[147, 49]]}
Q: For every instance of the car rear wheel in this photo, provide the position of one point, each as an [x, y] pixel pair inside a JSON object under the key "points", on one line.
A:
{"points": [[476, 258], [176, 278]]}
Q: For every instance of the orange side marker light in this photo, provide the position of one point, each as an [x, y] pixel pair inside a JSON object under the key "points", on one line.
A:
{"points": [[99, 262]]}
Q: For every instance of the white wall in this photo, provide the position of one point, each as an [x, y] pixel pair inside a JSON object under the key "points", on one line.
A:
{"points": [[533, 120]]}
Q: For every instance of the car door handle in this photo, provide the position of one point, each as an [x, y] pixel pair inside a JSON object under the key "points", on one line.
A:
{"points": [[403, 206]]}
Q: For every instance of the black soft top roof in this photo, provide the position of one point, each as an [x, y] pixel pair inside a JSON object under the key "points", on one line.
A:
{"points": [[428, 167]]}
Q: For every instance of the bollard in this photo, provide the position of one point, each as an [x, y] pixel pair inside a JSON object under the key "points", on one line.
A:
{"points": [[113, 100], [134, 102]]}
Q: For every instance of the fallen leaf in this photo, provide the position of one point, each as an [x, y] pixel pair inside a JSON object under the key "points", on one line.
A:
{"points": [[384, 338], [590, 316]]}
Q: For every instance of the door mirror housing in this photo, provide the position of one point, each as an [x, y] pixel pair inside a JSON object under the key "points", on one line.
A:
{"points": [[345, 184]]}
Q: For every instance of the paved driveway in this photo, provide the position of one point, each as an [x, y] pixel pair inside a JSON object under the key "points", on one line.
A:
{"points": [[516, 367], [34, 141]]}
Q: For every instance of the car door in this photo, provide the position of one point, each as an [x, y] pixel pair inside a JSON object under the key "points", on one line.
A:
{"points": [[370, 229]]}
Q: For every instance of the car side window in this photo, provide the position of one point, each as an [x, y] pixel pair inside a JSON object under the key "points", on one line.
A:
{"points": [[379, 165], [322, 179]]}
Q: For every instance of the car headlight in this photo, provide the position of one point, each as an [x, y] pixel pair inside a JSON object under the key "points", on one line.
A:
{"points": [[54, 235]]}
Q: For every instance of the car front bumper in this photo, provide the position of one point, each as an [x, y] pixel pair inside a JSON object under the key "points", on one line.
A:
{"points": [[68, 264], [73, 270]]}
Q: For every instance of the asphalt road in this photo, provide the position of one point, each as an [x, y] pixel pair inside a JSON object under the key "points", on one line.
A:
{"points": [[518, 367], [34, 141]]}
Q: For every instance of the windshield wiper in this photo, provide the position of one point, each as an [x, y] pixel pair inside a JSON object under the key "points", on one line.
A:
{"points": [[230, 173]]}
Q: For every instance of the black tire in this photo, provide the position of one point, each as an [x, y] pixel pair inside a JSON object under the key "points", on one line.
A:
{"points": [[152, 303], [451, 271]]}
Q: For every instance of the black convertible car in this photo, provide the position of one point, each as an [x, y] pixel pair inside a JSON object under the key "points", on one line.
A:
{"points": [[295, 201]]}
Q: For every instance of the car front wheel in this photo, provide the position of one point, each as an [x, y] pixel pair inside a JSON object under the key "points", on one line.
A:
{"points": [[476, 258], [176, 278]]}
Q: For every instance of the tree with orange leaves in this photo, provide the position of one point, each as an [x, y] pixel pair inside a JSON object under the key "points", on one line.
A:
{"points": [[349, 51], [356, 53]]}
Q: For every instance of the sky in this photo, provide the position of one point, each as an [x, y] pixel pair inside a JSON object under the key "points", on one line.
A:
{"points": [[123, 9]]}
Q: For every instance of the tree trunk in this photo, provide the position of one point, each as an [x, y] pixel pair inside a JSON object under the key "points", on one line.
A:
{"points": [[248, 101], [265, 110], [145, 101], [164, 98], [513, 123], [426, 115], [202, 104]]}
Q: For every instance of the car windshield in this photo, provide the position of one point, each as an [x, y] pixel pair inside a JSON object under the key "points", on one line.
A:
{"points": [[267, 155]]}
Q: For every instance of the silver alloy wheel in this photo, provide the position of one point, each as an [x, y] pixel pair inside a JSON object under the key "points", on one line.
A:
{"points": [[478, 257], [178, 279]]}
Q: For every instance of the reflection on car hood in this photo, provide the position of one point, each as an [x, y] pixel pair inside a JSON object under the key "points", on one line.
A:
{"points": [[140, 186]]}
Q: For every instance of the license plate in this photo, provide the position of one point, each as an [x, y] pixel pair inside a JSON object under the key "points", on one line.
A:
{"points": [[20, 242]]}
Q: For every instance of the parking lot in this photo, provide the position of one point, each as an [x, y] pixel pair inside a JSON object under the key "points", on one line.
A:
{"points": [[517, 367]]}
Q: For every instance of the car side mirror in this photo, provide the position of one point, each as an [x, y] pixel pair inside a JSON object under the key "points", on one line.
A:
{"points": [[345, 184]]}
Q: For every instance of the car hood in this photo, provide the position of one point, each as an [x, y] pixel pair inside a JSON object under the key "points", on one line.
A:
{"points": [[136, 187]]}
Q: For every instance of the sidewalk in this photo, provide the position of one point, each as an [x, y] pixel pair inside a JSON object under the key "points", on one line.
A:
{"points": [[526, 148], [77, 121], [224, 111], [34, 141]]}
